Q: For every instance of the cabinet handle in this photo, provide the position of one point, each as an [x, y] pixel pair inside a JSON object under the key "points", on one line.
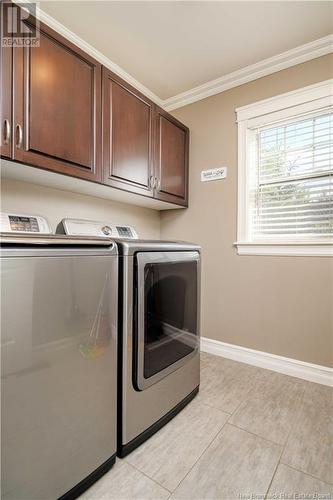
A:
{"points": [[19, 136], [157, 183], [151, 182], [6, 131]]}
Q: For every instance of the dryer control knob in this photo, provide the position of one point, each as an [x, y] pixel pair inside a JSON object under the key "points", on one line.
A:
{"points": [[106, 230]]}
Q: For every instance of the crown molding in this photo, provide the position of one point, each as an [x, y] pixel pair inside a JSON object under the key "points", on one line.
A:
{"points": [[89, 49], [298, 55], [292, 57]]}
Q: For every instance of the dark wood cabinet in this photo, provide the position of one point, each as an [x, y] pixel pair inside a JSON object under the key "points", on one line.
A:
{"points": [[61, 111], [127, 136], [171, 159], [57, 107], [6, 75]]}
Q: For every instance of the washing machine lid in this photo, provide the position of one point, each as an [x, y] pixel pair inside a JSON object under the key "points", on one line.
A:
{"points": [[25, 240], [131, 247], [27, 230]]}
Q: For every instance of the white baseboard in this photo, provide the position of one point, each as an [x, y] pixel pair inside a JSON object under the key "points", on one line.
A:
{"points": [[301, 369]]}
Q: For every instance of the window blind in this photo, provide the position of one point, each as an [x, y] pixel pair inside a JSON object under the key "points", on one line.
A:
{"points": [[293, 189]]}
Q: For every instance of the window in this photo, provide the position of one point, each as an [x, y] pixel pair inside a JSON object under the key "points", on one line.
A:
{"points": [[285, 195]]}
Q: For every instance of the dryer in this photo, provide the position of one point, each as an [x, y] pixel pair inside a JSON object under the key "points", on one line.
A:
{"points": [[159, 360], [158, 330]]}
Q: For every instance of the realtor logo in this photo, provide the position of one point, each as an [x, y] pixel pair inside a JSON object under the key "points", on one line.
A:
{"points": [[19, 26]]}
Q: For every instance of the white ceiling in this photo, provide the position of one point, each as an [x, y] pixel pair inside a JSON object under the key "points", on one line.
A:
{"points": [[173, 46]]}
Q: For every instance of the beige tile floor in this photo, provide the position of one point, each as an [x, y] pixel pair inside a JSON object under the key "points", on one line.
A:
{"points": [[250, 433]]}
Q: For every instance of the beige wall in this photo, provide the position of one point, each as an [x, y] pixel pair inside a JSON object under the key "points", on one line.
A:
{"points": [[55, 204], [294, 294], [281, 305]]}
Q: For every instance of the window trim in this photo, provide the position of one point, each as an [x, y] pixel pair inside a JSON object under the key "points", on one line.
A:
{"points": [[282, 107]]}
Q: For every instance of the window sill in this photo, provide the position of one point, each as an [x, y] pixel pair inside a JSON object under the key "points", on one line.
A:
{"points": [[292, 249]]}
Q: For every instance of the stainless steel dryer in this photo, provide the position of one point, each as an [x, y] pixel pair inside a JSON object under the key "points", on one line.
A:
{"points": [[159, 328]]}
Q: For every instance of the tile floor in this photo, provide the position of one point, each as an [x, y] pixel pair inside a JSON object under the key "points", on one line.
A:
{"points": [[250, 433]]}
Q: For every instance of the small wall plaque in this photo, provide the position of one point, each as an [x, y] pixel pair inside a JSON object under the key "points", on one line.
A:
{"points": [[213, 174]]}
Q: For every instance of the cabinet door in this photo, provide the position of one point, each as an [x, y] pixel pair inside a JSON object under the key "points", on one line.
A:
{"points": [[6, 60], [127, 136], [171, 159], [57, 107]]}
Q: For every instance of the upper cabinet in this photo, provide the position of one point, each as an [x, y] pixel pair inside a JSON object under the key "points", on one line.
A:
{"points": [[145, 149], [127, 136], [61, 111], [171, 159], [57, 107], [6, 75]]}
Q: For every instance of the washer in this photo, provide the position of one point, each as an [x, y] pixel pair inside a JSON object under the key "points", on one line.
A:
{"points": [[159, 330], [59, 304]]}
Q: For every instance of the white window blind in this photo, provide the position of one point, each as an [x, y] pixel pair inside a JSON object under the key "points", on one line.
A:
{"points": [[292, 191]]}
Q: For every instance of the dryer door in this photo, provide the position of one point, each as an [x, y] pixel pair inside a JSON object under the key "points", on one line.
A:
{"points": [[166, 326]]}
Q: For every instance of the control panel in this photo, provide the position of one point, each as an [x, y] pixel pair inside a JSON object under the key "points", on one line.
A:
{"points": [[82, 227], [23, 223]]}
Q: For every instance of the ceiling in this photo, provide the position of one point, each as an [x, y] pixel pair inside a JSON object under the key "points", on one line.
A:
{"points": [[173, 46]]}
